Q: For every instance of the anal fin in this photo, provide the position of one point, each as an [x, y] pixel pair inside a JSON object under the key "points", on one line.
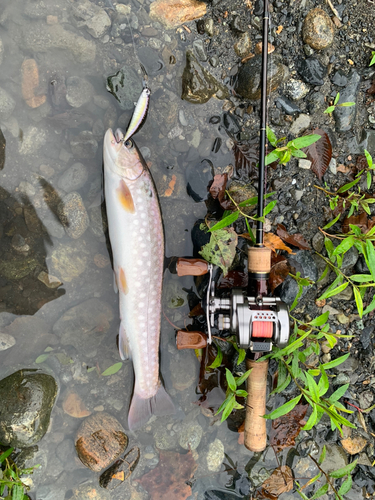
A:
{"points": [[123, 344]]}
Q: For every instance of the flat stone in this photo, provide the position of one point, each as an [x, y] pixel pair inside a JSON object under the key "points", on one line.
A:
{"points": [[100, 440], [311, 70], [335, 458], [318, 241], [354, 444], [27, 398], [296, 89], [349, 365], [366, 399], [33, 139], [173, 13], [190, 436], [300, 124], [305, 164], [69, 261], [85, 325], [49, 280], [94, 18], [215, 455], [344, 320], [318, 30], [73, 215]]}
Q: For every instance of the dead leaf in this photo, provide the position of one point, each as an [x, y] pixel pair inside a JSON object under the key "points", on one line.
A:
{"points": [[343, 169], [371, 90], [74, 406], [246, 158], [358, 220], [320, 153], [234, 279], [221, 248], [168, 480], [285, 429], [275, 243], [278, 274], [171, 186], [280, 481], [296, 240], [217, 189]]}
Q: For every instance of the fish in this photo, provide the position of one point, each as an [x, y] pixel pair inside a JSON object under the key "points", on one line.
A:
{"points": [[137, 241]]}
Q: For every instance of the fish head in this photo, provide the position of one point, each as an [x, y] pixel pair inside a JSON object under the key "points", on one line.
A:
{"points": [[122, 157]]}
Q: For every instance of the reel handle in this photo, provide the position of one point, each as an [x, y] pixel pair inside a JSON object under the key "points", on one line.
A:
{"points": [[191, 267], [255, 424]]}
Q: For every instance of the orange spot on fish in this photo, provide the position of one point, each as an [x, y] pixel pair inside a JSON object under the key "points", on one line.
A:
{"points": [[125, 197], [122, 279], [171, 186]]}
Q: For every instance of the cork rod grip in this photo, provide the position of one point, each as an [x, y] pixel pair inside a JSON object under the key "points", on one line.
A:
{"points": [[255, 424]]}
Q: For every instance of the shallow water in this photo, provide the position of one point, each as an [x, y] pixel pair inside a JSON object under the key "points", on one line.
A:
{"points": [[40, 148]]}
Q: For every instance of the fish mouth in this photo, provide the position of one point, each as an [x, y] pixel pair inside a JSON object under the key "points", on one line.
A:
{"points": [[119, 135]]}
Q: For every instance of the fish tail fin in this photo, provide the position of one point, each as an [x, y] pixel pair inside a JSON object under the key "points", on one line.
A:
{"points": [[142, 409]]}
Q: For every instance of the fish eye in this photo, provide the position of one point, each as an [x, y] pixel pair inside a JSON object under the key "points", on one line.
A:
{"points": [[128, 144]]}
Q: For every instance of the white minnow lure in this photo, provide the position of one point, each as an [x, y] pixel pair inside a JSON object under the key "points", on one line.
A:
{"points": [[140, 111], [137, 241]]}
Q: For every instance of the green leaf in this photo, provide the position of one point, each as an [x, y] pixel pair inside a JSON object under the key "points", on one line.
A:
{"points": [[298, 153], [346, 486], [227, 221], [283, 386], [329, 247], [320, 320], [312, 419], [91, 369], [358, 301], [344, 471], [313, 388], [41, 358], [347, 104], [241, 393], [330, 109], [337, 98], [368, 158], [348, 186], [242, 379], [324, 274], [230, 380], [323, 384], [284, 409], [272, 139], [299, 293], [368, 175], [269, 207], [271, 157], [241, 356], [338, 393], [302, 495], [112, 369], [321, 491], [304, 141], [336, 362], [17, 492], [333, 221], [229, 408], [361, 278], [218, 360], [370, 254], [322, 455], [254, 200], [344, 246], [333, 292], [373, 59], [370, 307], [5, 454]]}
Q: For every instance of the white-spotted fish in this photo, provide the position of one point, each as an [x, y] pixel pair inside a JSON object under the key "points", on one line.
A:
{"points": [[137, 240], [141, 108]]}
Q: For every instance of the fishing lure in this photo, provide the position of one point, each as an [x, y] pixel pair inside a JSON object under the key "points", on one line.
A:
{"points": [[141, 108]]}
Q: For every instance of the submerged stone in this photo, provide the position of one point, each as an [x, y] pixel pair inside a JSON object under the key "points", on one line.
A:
{"points": [[249, 77], [198, 85], [173, 13], [125, 86], [27, 398]]}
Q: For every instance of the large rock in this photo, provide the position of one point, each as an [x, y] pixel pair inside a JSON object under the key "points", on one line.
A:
{"points": [[41, 37], [85, 325], [249, 77], [173, 13], [198, 85], [100, 440], [27, 398], [318, 30]]}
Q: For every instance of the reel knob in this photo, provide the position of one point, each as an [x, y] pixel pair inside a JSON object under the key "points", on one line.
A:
{"points": [[224, 322]]}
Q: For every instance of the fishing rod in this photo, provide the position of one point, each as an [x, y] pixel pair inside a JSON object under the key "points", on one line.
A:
{"points": [[258, 320]]}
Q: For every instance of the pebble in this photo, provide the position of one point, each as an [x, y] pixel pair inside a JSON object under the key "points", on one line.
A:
{"points": [[74, 406], [296, 89], [350, 365], [100, 440], [190, 436], [341, 379], [27, 398], [318, 241], [33, 139], [78, 91], [215, 455], [299, 125], [74, 178], [84, 145], [69, 261], [6, 341], [305, 164], [101, 261], [7, 104], [340, 79], [366, 399], [289, 107], [243, 47], [344, 320], [30, 84], [96, 19], [330, 309], [73, 215], [173, 13], [354, 444], [318, 30], [333, 166], [311, 70], [200, 50], [19, 244], [126, 85], [49, 280]]}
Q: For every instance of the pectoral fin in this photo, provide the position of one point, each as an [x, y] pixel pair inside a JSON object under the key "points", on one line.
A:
{"points": [[125, 197]]}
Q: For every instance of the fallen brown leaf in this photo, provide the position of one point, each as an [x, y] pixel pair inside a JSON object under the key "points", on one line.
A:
{"points": [[285, 429], [296, 240], [358, 220], [278, 274], [371, 90], [217, 189], [343, 169], [171, 186], [275, 243], [320, 153], [280, 481], [168, 480]]}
